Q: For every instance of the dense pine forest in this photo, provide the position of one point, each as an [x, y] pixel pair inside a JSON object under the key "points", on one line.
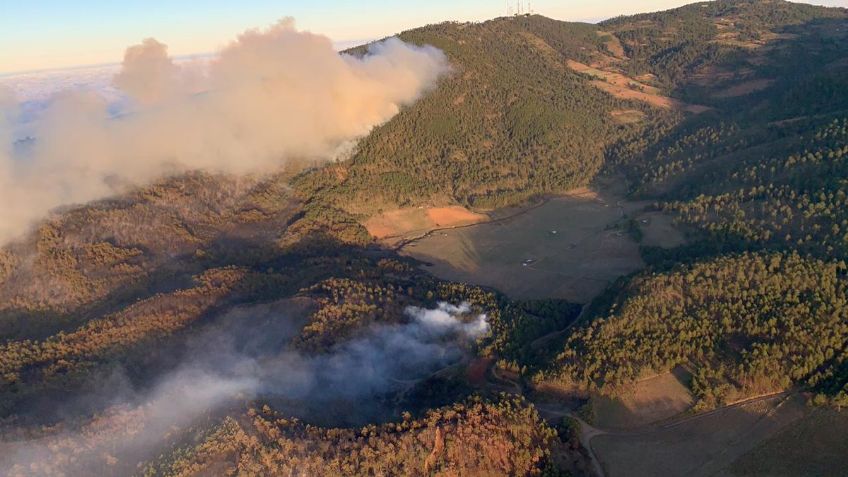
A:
{"points": [[744, 324], [730, 117]]}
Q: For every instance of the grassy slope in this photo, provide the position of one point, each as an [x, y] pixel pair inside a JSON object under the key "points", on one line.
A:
{"points": [[815, 445]]}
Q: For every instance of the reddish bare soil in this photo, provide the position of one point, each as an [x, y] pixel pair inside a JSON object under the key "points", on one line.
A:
{"points": [[417, 221]]}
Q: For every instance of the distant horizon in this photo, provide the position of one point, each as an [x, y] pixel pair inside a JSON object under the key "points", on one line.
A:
{"points": [[340, 45], [54, 36], [189, 56]]}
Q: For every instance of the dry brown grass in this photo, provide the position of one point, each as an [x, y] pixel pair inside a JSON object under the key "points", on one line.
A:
{"points": [[624, 87], [646, 78], [652, 399], [627, 116], [612, 77], [813, 446], [583, 193], [551, 54], [453, 215], [701, 446], [416, 221], [613, 44]]}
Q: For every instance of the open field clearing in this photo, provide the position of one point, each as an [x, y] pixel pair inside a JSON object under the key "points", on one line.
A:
{"points": [[612, 44], [627, 116], [403, 224], [652, 399], [703, 445], [814, 445], [612, 78], [567, 248]]}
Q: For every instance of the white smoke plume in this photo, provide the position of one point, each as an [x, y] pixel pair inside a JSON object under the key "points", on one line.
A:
{"points": [[269, 96], [443, 319], [234, 361]]}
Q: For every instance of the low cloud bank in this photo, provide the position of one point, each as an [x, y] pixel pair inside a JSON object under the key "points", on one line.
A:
{"points": [[242, 358], [270, 96]]}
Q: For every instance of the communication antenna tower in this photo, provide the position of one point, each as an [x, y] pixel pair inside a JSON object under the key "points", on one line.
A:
{"points": [[520, 7]]}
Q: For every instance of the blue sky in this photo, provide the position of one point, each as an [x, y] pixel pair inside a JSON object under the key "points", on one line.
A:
{"points": [[37, 34]]}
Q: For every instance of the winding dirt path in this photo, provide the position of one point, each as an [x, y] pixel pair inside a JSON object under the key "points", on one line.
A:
{"points": [[586, 433], [542, 340]]}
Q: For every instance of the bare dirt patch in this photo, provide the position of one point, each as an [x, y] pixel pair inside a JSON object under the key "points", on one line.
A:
{"points": [[627, 116], [652, 399], [646, 78], [453, 215], [411, 222], [613, 45], [625, 92], [583, 193], [396, 222], [655, 100], [476, 371]]}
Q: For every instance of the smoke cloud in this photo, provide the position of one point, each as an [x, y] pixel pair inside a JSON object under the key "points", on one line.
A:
{"points": [[233, 361], [269, 96]]}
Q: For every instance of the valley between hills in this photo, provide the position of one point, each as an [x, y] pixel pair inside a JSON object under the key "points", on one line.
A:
{"points": [[611, 249]]}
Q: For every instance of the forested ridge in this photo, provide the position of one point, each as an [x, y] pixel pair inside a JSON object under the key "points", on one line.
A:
{"points": [[744, 324], [511, 122], [731, 117], [504, 437], [754, 303]]}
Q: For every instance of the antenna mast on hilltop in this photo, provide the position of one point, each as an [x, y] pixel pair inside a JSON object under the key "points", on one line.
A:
{"points": [[522, 7]]}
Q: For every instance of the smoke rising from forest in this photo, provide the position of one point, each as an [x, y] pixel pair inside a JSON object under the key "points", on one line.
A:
{"points": [[270, 96], [245, 355]]}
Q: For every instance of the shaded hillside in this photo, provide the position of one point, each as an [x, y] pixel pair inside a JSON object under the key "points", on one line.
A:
{"points": [[87, 252]]}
